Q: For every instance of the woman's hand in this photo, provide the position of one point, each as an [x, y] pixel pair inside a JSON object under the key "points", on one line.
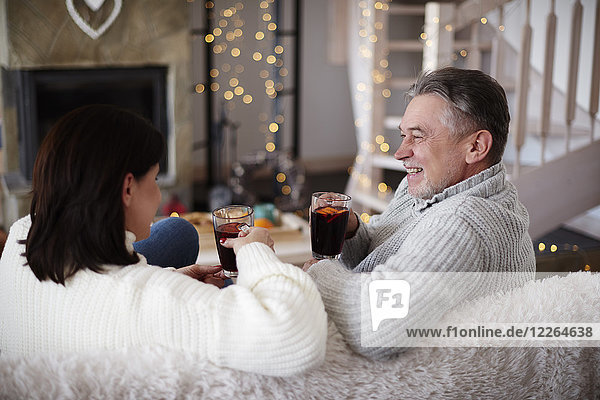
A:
{"points": [[309, 264], [254, 234], [205, 273]]}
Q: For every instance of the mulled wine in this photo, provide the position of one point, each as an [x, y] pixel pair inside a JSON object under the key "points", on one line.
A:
{"points": [[327, 230], [228, 221]]}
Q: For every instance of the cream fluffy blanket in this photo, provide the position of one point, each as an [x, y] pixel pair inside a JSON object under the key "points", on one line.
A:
{"points": [[419, 373]]}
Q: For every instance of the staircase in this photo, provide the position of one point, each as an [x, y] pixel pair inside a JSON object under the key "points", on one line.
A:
{"points": [[553, 156]]}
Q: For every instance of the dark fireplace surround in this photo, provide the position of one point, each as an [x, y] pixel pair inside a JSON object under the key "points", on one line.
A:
{"points": [[43, 95]]}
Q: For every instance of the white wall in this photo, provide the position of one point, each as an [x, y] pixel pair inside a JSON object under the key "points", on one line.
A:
{"points": [[327, 128]]}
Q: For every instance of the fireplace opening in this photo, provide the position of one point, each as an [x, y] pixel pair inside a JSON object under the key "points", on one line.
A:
{"points": [[45, 95]]}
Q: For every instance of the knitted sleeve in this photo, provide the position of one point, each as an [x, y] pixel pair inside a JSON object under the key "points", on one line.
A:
{"points": [[357, 248], [271, 322], [433, 293]]}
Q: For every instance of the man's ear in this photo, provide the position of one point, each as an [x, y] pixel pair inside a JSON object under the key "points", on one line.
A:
{"points": [[127, 189], [479, 145]]}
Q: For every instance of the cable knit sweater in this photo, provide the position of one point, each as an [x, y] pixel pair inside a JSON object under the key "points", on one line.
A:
{"points": [[271, 322], [477, 225]]}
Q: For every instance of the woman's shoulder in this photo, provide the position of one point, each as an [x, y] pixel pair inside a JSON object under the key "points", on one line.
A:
{"points": [[21, 225]]}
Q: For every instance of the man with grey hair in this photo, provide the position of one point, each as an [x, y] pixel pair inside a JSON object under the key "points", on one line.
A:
{"points": [[453, 212]]}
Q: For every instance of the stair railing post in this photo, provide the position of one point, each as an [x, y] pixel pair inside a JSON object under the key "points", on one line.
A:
{"points": [[595, 72], [522, 90], [547, 77], [576, 15]]}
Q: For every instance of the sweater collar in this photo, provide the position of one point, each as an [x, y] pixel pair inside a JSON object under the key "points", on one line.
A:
{"points": [[493, 177], [129, 239]]}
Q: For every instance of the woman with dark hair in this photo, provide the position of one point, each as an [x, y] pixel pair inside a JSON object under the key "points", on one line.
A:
{"points": [[71, 279]]}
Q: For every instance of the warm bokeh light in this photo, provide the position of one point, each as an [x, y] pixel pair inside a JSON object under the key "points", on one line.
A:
{"points": [[278, 49], [271, 59], [238, 91], [286, 189], [214, 86], [247, 99], [259, 35], [199, 88], [382, 187], [270, 147], [233, 82], [280, 177], [228, 95], [209, 38], [235, 52], [364, 217], [273, 127], [541, 246]]}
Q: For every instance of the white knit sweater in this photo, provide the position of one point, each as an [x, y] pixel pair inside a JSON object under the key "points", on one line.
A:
{"points": [[477, 227], [271, 322]]}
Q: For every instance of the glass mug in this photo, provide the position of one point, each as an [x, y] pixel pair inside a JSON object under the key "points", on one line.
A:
{"points": [[228, 222], [328, 221]]}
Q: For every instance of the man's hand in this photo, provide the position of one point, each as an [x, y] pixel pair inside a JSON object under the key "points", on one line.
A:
{"points": [[309, 263], [205, 273], [353, 224]]}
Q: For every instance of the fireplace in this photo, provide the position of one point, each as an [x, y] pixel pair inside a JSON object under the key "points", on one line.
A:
{"points": [[43, 95]]}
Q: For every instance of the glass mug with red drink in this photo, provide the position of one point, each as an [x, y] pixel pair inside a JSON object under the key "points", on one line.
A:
{"points": [[328, 221], [228, 222]]}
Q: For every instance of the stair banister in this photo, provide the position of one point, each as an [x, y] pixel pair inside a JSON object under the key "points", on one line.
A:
{"points": [[575, 45], [522, 90], [595, 88], [547, 77]]}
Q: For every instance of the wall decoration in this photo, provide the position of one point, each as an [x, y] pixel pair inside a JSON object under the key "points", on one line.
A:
{"points": [[94, 5]]}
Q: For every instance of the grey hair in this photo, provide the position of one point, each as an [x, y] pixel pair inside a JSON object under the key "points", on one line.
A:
{"points": [[475, 100]]}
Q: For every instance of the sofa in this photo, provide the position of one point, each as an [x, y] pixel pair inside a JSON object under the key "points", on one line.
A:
{"points": [[558, 372]]}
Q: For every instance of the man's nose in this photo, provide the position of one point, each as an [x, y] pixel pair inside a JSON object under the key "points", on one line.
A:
{"points": [[404, 151]]}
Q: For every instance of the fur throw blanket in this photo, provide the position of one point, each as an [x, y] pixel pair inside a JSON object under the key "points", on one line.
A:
{"points": [[419, 373]]}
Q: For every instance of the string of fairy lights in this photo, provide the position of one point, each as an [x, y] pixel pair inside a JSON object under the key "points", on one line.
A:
{"points": [[229, 42]]}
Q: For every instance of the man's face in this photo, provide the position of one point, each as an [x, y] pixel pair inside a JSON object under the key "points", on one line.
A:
{"points": [[433, 159]]}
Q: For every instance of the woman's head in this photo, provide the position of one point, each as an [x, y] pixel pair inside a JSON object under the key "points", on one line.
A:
{"points": [[84, 174]]}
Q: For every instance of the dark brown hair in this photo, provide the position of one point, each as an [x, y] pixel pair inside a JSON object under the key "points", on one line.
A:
{"points": [[77, 216]]}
